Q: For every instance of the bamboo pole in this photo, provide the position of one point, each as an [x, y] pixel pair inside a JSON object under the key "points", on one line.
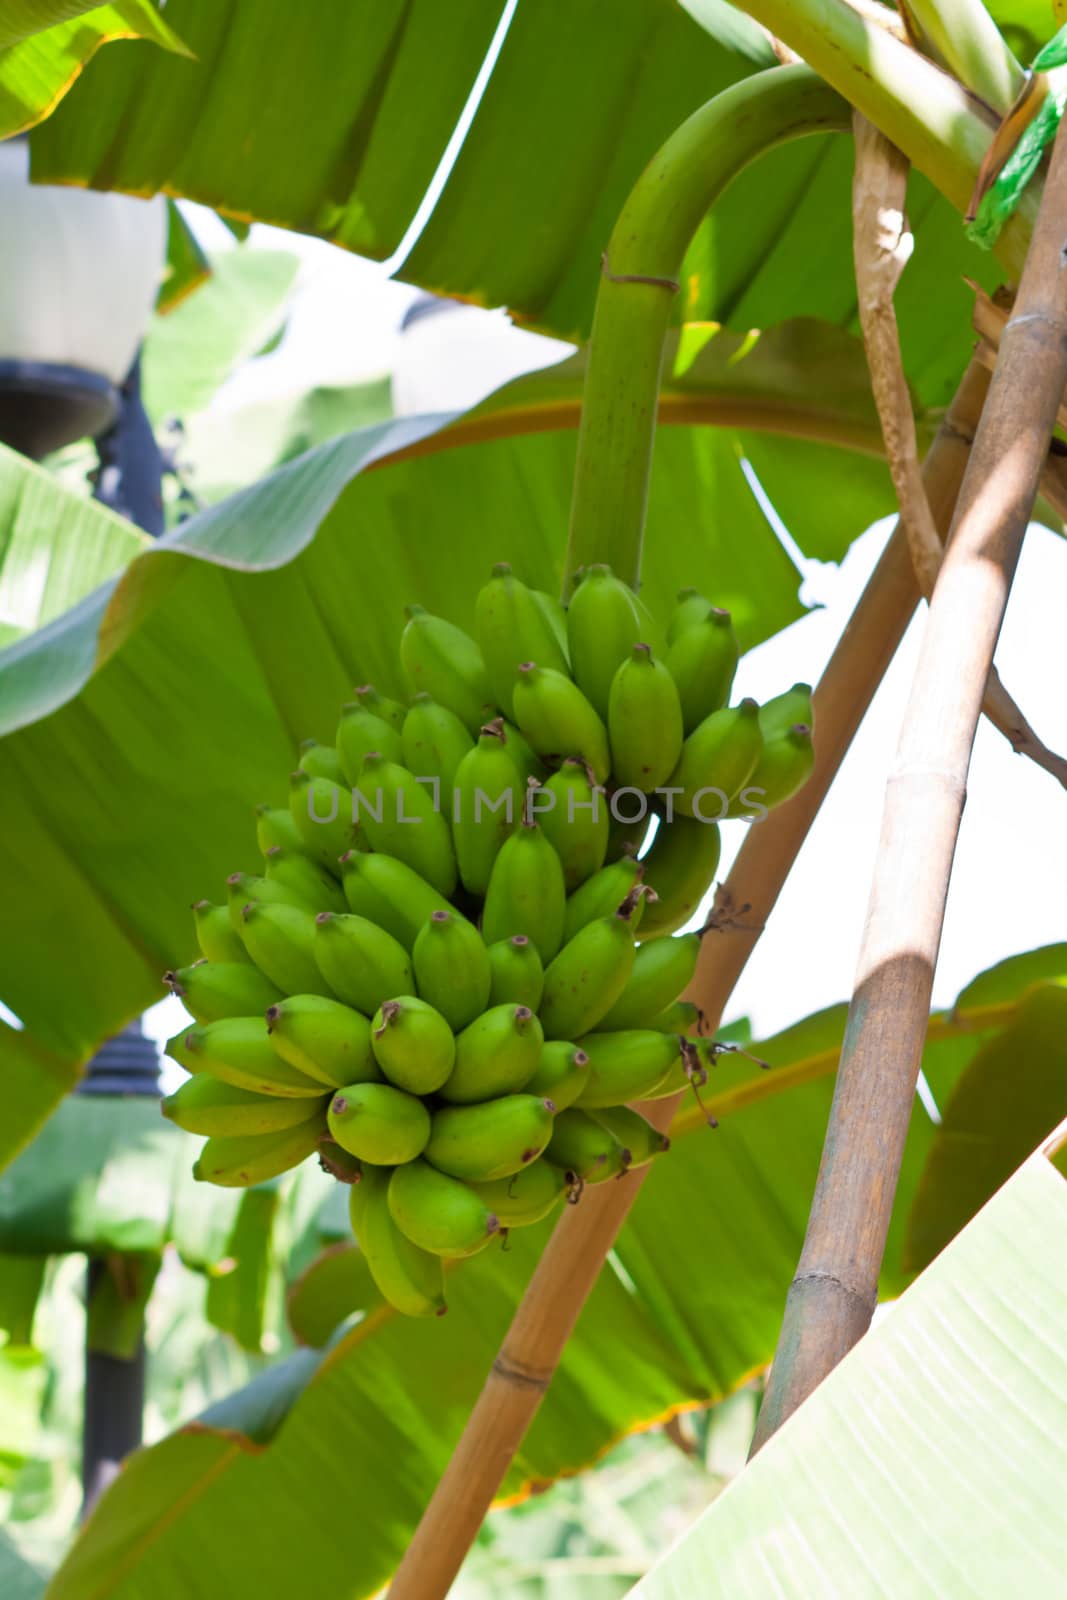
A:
{"points": [[832, 1297], [571, 1263]]}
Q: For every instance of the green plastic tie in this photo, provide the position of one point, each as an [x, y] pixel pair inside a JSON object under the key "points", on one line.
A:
{"points": [[1002, 197]]}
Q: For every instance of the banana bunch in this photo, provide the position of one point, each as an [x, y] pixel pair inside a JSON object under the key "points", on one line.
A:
{"points": [[454, 969]]}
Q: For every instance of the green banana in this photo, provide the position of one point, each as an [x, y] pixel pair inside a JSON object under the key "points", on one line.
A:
{"points": [[496, 1054], [517, 973], [379, 1124], [212, 989], [627, 1065], [702, 661], [401, 819], [552, 608], [320, 761], [439, 1213], [451, 967], [177, 1049], [634, 1132], [216, 935], [389, 710], [717, 760], [644, 722], [324, 1039], [487, 801], [786, 710], [410, 1279], [527, 893], [784, 766], [525, 1197], [240, 1160], [573, 812], [605, 619], [337, 1162], [276, 827], [662, 969], [209, 1106], [324, 816], [390, 893], [281, 941], [434, 742], [626, 838], [558, 719], [691, 607], [360, 733], [246, 888], [238, 1051], [680, 867], [492, 1140], [589, 974], [681, 1017], [412, 1044], [584, 1149], [442, 659], [602, 894], [512, 626], [362, 964], [523, 753], [562, 1073], [309, 884], [688, 1071]]}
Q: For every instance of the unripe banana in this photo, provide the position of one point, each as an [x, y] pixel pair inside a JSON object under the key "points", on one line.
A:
{"points": [[378, 1123], [526, 1196], [602, 894], [702, 661], [212, 989], [574, 814], [413, 1044], [589, 974], [446, 662], [276, 827], [689, 1070], [389, 710], [359, 733], [584, 1149], [680, 868], [558, 720], [323, 814], [690, 609], [784, 766], [487, 803], [451, 966], [495, 1054], [527, 893], [644, 722], [236, 1050], [553, 610], [309, 884], [661, 970], [681, 1017], [786, 710], [281, 941], [400, 818], [207, 1105], [634, 1133], [216, 935], [562, 1073], [605, 620], [517, 973], [439, 1213], [390, 893], [240, 1160], [626, 838], [337, 1162], [410, 1279], [362, 964], [246, 888], [626, 1066], [328, 1041], [512, 626], [717, 760], [177, 1049], [434, 742], [493, 1140], [320, 761], [523, 753]]}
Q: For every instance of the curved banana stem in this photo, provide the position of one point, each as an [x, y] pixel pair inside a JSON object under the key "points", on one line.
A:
{"points": [[638, 286]]}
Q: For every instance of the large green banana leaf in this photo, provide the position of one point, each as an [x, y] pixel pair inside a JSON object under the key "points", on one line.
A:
{"points": [[332, 1462], [143, 725], [932, 1460], [44, 44]]}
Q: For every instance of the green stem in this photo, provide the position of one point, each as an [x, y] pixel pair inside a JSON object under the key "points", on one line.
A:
{"points": [[637, 289], [964, 36]]}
